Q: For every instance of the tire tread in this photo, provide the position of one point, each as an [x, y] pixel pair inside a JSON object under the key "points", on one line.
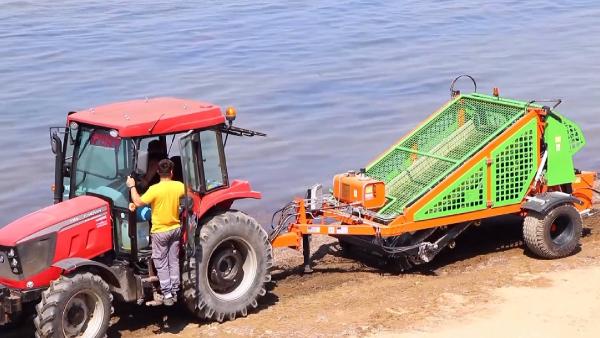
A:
{"points": [[212, 225]]}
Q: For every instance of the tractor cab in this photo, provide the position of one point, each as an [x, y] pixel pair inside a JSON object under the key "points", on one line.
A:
{"points": [[100, 147], [72, 257]]}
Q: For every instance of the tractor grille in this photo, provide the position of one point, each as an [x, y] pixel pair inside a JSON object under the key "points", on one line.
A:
{"points": [[5, 269]]}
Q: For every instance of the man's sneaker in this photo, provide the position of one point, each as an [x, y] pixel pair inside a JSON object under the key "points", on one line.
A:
{"points": [[157, 300], [169, 301]]}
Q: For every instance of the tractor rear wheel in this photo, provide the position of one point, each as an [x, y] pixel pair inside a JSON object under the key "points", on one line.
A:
{"points": [[554, 234], [233, 264], [76, 306]]}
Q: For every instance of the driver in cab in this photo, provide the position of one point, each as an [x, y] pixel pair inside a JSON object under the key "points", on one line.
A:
{"points": [[163, 198]]}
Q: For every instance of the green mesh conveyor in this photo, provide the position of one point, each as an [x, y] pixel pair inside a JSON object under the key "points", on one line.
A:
{"points": [[440, 145]]}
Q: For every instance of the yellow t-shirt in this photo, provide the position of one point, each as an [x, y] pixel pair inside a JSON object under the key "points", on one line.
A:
{"points": [[163, 198]]}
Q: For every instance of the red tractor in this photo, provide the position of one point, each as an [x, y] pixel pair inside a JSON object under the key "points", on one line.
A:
{"points": [[70, 259]]}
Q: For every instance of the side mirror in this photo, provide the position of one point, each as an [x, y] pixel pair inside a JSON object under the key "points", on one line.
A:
{"points": [[72, 130], [55, 141], [54, 145]]}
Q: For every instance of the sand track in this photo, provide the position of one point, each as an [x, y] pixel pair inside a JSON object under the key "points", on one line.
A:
{"points": [[349, 297]]}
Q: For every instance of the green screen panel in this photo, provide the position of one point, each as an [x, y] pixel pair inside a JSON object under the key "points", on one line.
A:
{"points": [[514, 166], [467, 194]]}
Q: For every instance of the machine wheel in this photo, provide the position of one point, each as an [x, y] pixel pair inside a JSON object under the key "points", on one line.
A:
{"points": [[76, 306], [234, 259], [554, 234]]}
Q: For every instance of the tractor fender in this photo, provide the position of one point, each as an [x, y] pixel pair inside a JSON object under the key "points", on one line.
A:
{"points": [[75, 263], [545, 202], [224, 197]]}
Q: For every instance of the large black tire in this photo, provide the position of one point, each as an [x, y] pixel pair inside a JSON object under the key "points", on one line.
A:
{"points": [[554, 234], [234, 259], [79, 305]]}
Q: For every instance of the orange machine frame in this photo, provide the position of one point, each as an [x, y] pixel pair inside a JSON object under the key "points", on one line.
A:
{"points": [[348, 224]]}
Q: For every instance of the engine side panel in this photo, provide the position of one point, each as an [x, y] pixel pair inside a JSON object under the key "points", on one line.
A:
{"points": [[81, 227]]}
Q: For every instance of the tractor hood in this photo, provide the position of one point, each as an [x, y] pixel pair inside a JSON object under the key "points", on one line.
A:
{"points": [[51, 219]]}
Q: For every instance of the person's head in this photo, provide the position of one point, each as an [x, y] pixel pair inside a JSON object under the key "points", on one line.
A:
{"points": [[165, 168]]}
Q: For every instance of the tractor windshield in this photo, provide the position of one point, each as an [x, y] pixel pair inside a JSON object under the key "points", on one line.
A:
{"points": [[102, 164]]}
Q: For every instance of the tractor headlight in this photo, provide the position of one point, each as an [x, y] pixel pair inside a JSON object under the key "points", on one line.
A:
{"points": [[36, 255]]}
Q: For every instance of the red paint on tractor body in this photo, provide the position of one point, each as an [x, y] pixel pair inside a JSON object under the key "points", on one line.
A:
{"points": [[163, 115], [238, 189], [82, 227]]}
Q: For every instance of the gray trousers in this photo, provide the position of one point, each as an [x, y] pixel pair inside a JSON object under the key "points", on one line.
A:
{"points": [[165, 254]]}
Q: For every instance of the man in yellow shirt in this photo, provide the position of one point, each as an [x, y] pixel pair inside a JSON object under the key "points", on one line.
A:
{"points": [[163, 197]]}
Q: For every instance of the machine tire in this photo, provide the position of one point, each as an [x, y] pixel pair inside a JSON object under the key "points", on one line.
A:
{"points": [[554, 234], [223, 241], [68, 296]]}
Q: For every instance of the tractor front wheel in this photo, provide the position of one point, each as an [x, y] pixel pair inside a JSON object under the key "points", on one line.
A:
{"points": [[76, 306], [554, 234], [233, 262]]}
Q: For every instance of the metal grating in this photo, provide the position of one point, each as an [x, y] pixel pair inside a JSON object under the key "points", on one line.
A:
{"points": [[576, 138], [424, 157], [468, 193], [514, 165]]}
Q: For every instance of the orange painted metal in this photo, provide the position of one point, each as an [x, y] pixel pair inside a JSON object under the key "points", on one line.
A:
{"points": [[414, 156], [353, 188], [343, 222], [370, 228], [288, 240], [460, 218], [582, 189]]}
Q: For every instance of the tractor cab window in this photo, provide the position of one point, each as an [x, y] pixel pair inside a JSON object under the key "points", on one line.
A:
{"points": [[212, 160], [102, 165], [203, 161]]}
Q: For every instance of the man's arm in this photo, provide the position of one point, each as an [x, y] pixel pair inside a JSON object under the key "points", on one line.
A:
{"points": [[135, 196]]}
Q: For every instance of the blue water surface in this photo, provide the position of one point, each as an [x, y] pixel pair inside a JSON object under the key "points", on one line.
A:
{"points": [[333, 83]]}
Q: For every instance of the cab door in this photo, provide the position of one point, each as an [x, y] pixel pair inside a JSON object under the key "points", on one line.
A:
{"points": [[203, 170], [191, 180], [203, 161]]}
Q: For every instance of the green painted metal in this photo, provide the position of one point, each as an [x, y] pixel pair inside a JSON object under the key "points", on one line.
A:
{"points": [[514, 164], [560, 168], [455, 132], [576, 138], [468, 193], [426, 154]]}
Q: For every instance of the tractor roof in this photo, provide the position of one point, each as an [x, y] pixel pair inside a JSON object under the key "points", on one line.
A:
{"points": [[163, 115]]}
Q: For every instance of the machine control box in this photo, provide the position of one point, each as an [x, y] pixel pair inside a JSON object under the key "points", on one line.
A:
{"points": [[351, 188]]}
